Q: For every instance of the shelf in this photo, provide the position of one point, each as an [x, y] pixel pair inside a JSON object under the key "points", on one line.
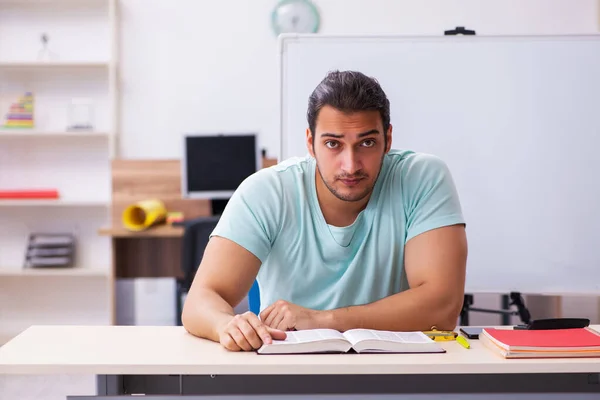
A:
{"points": [[157, 231], [52, 203], [60, 272], [50, 2], [20, 65], [23, 133]]}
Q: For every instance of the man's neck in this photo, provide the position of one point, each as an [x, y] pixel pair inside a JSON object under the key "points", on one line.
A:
{"points": [[335, 211]]}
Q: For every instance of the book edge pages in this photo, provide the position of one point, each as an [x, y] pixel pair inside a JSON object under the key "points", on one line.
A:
{"points": [[313, 347]]}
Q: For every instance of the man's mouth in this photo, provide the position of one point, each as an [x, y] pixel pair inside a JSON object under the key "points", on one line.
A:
{"points": [[351, 182]]}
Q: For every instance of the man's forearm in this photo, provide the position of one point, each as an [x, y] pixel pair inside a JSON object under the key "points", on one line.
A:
{"points": [[206, 314], [416, 309]]}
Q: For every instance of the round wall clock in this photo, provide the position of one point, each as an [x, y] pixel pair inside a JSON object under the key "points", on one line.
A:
{"points": [[295, 16]]}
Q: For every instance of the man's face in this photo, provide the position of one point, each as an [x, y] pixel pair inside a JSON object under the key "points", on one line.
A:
{"points": [[349, 150]]}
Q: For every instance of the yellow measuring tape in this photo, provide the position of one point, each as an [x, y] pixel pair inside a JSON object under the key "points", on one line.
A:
{"points": [[441, 336]]}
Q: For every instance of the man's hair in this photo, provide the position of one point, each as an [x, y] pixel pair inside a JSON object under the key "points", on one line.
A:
{"points": [[348, 91]]}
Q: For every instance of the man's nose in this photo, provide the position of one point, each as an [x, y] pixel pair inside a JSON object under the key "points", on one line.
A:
{"points": [[350, 163]]}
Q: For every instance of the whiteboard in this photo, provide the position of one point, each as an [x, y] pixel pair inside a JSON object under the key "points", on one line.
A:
{"points": [[517, 120]]}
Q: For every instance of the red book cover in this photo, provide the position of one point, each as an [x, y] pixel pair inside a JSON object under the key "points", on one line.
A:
{"points": [[29, 194], [565, 338]]}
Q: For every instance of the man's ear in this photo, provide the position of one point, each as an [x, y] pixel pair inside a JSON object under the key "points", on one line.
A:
{"points": [[389, 139], [309, 142]]}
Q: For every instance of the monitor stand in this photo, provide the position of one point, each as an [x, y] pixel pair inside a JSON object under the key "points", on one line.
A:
{"points": [[218, 205]]}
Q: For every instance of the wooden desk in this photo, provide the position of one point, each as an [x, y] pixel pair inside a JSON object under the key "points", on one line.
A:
{"points": [[170, 354]]}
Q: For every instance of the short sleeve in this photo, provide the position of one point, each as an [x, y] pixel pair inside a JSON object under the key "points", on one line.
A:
{"points": [[251, 217], [431, 200]]}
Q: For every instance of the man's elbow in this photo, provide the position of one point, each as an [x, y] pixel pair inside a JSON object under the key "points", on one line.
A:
{"points": [[187, 318], [447, 317]]}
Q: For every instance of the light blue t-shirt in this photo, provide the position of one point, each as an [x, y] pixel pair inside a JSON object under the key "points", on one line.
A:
{"points": [[275, 214]]}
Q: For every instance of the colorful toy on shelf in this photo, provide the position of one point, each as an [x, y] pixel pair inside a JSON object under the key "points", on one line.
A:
{"points": [[20, 114], [174, 217]]}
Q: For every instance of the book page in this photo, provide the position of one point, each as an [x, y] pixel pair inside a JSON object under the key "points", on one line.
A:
{"points": [[357, 335], [310, 335]]}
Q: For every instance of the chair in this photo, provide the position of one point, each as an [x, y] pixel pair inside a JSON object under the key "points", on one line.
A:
{"points": [[195, 238]]}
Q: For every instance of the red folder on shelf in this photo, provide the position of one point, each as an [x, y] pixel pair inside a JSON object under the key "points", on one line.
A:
{"points": [[22, 194], [577, 342]]}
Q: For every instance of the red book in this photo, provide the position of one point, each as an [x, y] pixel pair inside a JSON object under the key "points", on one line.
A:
{"points": [[29, 194], [579, 342]]}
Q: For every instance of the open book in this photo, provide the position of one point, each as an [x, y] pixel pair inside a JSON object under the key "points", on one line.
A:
{"points": [[358, 340]]}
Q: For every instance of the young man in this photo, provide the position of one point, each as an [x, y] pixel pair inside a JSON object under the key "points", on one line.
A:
{"points": [[353, 236]]}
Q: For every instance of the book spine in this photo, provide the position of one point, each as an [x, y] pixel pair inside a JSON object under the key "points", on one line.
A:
{"points": [[29, 194]]}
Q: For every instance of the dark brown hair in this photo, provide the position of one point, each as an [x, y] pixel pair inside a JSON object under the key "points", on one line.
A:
{"points": [[348, 91]]}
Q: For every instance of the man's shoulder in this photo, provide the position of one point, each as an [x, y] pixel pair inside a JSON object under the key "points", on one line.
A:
{"points": [[411, 164], [276, 176], [293, 165]]}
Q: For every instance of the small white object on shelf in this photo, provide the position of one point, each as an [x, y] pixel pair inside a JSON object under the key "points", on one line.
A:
{"points": [[81, 115]]}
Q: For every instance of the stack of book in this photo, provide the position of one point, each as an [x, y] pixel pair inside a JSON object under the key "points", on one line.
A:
{"points": [[577, 342], [50, 251], [20, 114]]}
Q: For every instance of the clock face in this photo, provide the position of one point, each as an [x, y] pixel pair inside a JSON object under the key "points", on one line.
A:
{"points": [[295, 16]]}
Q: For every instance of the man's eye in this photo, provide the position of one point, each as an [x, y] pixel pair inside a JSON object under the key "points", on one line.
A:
{"points": [[369, 143], [331, 145]]}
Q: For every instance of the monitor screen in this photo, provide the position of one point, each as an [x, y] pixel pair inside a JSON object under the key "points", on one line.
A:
{"points": [[214, 166]]}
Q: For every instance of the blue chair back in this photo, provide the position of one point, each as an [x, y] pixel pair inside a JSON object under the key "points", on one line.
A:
{"points": [[254, 298]]}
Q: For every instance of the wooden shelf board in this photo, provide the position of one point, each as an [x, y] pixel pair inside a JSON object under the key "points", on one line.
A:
{"points": [[51, 203], [26, 133], [66, 272], [50, 2], [157, 231], [53, 64]]}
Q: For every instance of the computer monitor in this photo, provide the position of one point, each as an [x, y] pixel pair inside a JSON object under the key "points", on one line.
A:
{"points": [[213, 166]]}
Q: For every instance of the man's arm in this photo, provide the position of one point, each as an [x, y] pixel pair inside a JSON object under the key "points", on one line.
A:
{"points": [[435, 264], [223, 279]]}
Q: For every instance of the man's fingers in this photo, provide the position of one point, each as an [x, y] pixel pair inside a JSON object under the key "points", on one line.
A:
{"points": [[228, 342], [240, 339], [276, 334], [260, 329], [284, 324], [277, 321], [250, 333], [274, 317], [266, 313]]}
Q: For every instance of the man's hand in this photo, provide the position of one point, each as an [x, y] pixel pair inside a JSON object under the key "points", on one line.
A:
{"points": [[286, 316], [246, 332]]}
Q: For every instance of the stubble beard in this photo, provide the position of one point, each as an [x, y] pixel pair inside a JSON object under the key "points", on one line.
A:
{"points": [[351, 198]]}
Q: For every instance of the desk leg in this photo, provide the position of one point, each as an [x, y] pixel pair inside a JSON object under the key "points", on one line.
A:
{"points": [[109, 385]]}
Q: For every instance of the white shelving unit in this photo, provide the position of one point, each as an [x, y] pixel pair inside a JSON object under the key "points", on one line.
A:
{"points": [[83, 48]]}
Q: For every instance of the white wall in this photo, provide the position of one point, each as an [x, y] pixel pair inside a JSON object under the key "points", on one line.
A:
{"points": [[201, 66]]}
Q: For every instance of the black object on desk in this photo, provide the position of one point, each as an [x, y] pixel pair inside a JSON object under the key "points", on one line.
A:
{"points": [[471, 332], [459, 30], [555, 323]]}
